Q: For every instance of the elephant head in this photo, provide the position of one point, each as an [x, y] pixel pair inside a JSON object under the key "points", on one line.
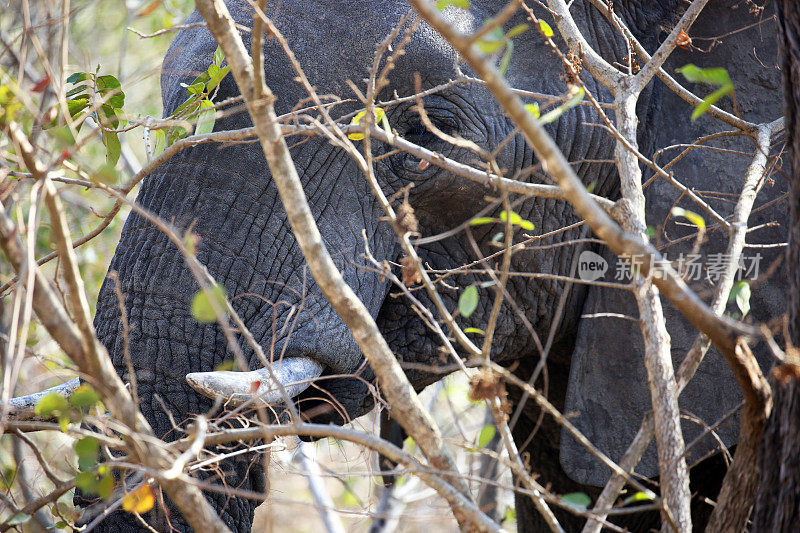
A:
{"points": [[224, 194]]}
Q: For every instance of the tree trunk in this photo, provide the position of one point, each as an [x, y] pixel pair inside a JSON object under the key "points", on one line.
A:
{"points": [[778, 502]]}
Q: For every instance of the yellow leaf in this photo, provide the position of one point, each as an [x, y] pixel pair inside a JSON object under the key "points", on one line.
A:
{"points": [[139, 501], [693, 217], [379, 114], [545, 29]]}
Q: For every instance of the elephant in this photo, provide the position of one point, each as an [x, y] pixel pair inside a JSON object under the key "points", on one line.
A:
{"points": [[224, 194]]}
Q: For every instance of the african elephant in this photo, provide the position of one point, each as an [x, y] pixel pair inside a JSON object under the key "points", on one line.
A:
{"points": [[224, 193]]}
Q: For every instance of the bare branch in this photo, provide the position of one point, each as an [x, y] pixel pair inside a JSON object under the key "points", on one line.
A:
{"points": [[599, 67], [82, 346], [317, 487], [407, 408], [723, 331], [753, 181], [658, 58]]}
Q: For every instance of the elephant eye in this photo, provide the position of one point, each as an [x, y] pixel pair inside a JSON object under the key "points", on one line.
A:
{"points": [[418, 134]]}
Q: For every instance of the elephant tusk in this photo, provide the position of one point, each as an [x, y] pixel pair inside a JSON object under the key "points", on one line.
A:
{"points": [[236, 388], [24, 407]]}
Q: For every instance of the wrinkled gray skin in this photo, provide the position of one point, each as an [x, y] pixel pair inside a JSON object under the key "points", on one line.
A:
{"points": [[227, 195]]}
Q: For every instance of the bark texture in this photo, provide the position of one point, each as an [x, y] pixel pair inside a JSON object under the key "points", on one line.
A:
{"points": [[778, 503]]}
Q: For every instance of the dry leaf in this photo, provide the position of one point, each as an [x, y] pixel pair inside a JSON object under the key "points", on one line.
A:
{"points": [[406, 219], [411, 275], [684, 41]]}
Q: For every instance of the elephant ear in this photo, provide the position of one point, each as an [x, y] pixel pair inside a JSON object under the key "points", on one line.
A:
{"points": [[607, 392]]}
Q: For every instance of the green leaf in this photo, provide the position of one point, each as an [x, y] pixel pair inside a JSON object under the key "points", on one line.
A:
{"points": [[714, 76], [18, 519], [740, 293], [190, 242], [107, 82], [517, 30], [85, 481], [113, 148], [77, 77], [478, 331], [517, 220], [77, 105], [86, 446], [710, 100], [206, 118], [461, 4], [105, 486], [638, 497], [100, 484], [511, 514], [468, 301], [216, 75], [486, 435], [105, 173], [176, 134], [52, 405], [387, 127], [196, 88], [117, 101], [577, 500], [553, 114], [63, 136], [479, 221], [84, 397], [533, 109], [492, 41], [526, 224], [226, 365], [409, 444], [691, 216], [545, 29], [202, 308], [190, 105], [161, 142], [212, 71], [87, 449], [219, 56], [506, 58], [109, 85], [107, 115], [76, 91], [489, 46]]}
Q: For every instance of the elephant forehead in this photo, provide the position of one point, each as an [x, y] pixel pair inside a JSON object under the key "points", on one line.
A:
{"points": [[333, 41]]}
